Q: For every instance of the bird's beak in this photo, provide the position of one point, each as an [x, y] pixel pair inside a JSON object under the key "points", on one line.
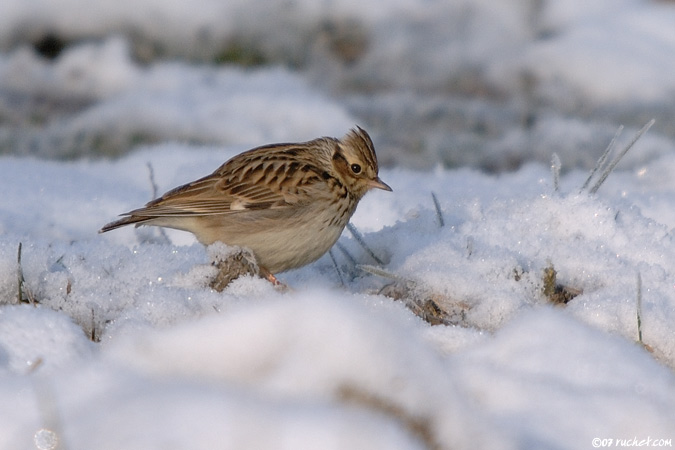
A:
{"points": [[379, 184]]}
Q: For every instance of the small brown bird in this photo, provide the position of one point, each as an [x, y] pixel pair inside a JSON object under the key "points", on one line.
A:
{"points": [[288, 203]]}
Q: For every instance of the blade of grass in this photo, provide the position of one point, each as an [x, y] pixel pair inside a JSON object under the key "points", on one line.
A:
{"points": [[337, 268], [362, 242], [439, 213], [381, 272], [639, 308], [20, 275], [603, 158], [348, 255], [155, 192], [610, 167], [555, 171], [24, 294]]}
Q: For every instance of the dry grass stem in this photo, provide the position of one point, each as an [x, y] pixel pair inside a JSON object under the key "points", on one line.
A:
{"points": [[337, 268], [557, 293], [362, 242], [555, 171], [439, 213], [434, 308], [638, 311], [155, 192], [25, 295], [419, 427]]}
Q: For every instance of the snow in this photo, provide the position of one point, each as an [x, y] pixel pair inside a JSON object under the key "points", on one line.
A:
{"points": [[599, 59], [200, 104], [128, 347]]}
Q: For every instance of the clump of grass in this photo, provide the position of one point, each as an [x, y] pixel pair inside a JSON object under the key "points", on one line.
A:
{"points": [[241, 53], [25, 295], [556, 293], [235, 264], [434, 308], [346, 39], [353, 265]]}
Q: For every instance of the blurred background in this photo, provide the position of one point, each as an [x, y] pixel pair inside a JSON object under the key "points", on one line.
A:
{"points": [[480, 83]]}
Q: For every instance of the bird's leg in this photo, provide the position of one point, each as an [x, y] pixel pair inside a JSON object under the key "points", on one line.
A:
{"points": [[269, 276], [272, 279]]}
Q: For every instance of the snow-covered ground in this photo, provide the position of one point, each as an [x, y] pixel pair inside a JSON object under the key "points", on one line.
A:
{"points": [[127, 346]]}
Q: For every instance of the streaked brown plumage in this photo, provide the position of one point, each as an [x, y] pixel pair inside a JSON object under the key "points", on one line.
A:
{"points": [[288, 203]]}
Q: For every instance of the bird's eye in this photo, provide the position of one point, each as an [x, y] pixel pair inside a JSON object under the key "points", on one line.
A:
{"points": [[356, 168]]}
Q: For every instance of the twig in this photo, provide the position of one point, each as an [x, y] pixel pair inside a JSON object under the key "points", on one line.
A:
{"points": [[439, 213], [359, 238]]}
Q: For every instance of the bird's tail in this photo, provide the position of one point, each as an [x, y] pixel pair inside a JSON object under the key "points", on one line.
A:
{"points": [[128, 220]]}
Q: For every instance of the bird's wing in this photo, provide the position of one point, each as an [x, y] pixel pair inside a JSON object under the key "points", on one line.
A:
{"points": [[240, 186]]}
